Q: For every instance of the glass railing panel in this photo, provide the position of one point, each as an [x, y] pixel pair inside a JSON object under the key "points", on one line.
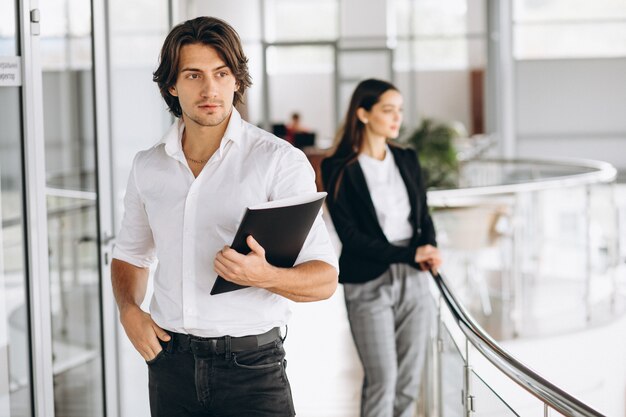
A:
{"points": [[507, 255], [486, 401], [75, 305], [451, 378]]}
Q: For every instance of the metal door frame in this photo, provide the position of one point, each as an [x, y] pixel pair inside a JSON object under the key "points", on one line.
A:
{"points": [[35, 214]]}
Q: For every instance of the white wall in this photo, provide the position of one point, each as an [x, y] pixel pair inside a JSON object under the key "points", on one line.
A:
{"points": [[572, 108], [444, 95]]}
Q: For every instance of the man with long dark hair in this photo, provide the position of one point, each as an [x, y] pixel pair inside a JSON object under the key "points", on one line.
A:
{"points": [[212, 355]]}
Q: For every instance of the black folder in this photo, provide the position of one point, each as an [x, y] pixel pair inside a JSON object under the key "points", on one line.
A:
{"points": [[280, 227]]}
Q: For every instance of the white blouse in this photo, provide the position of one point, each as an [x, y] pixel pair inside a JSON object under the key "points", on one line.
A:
{"points": [[389, 195]]}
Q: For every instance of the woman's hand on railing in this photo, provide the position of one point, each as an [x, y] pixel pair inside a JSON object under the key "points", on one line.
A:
{"points": [[428, 257]]}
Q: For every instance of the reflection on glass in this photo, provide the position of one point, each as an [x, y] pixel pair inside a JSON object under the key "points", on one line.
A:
{"points": [[491, 404], [15, 381], [451, 378], [71, 204]]}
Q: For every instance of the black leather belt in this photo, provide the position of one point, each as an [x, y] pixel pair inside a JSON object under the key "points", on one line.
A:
{"points": [[203, 346]]}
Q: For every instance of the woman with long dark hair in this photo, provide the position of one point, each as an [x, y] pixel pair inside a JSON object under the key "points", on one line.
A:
{"points": [[377, 201]]}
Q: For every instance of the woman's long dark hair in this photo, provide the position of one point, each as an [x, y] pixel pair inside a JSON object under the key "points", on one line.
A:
{"points": [[350, 137]]}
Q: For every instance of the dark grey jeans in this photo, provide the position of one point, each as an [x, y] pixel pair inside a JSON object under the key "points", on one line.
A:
{"points": [[250, 383]]}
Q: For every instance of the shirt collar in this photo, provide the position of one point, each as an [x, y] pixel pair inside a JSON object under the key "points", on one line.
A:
{"points": [[173, 137]]}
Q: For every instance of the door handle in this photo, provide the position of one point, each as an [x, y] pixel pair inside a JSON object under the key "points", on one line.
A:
{"points": [[107, 238]]}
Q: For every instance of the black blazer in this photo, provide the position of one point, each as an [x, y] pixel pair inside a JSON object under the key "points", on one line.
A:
{"points": [[366, 252]]}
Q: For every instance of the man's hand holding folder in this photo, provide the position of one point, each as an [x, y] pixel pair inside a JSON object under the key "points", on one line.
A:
{"points": [[269, 239], [251, 270]]}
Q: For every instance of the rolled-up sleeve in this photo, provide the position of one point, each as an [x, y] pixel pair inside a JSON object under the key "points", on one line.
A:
{"points": [[135, 243], [295, 176]]}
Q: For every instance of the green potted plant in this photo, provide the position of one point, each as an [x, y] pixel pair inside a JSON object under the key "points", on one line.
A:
{"points": [[434, 143]]}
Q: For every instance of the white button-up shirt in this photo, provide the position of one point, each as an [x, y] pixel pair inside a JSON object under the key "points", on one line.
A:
{"points": [[184, 221]]}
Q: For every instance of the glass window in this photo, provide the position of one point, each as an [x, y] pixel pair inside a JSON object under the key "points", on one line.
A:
{"points": [[303, 71], [137, 29], [65, 34], [567, 10], [554, 29], [69, 134], [403, 18], [364, 64], [138, 17], [570, 40], [402, 56], [289, 20], [300, 59], [443, 35], [449, 54], [440, 17]]}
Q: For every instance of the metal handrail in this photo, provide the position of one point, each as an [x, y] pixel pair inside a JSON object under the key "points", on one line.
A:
{"points": [[602, 172], [525, 377]]}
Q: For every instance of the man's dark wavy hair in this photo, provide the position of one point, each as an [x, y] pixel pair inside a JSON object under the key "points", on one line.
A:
{"points": [[208, 31]]}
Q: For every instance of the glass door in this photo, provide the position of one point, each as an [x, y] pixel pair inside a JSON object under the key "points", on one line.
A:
{"points": [[51, 252], [72, 207], [15, 374]]}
